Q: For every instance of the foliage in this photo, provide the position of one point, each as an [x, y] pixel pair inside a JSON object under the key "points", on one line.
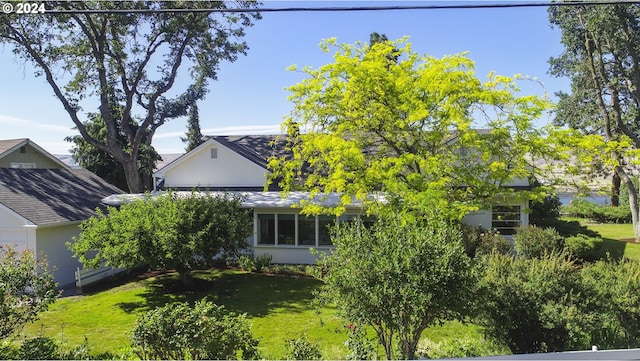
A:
{"points": [[616, 287], [302, 349], [535, 242], [600, 213], [398, 278], [169, 232], [478, 241], [90, 58], [39, 348], [246, 262], [384, 118], [602, 58], [545, 211], [359, 345], [533, 305], [101, 162], [582, 246], [203, 331], [460, 347], [193, 136], [26, 289], [262, 261]]}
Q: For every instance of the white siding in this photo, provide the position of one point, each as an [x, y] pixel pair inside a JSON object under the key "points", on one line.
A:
{"points": [[228, 169], [288, 255], [52, 243], [15, 230]]}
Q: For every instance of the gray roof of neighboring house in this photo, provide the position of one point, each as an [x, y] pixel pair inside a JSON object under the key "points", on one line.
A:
{"points": [[50, 196], [256, 148], [9, 144]]}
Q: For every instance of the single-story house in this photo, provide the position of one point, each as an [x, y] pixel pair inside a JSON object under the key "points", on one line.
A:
{"points": [[239, 163], [42, 202]]}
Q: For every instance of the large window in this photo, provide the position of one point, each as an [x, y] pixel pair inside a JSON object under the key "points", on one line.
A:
{"points": [[266, 229], [290, 229], [506, 219], [287, 229]]}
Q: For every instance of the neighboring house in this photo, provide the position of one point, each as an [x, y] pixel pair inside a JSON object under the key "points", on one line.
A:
{"points": [[42, 202], [239, 163]]}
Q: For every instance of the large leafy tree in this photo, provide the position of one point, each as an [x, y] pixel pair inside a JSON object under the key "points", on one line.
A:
{"points": [[384, 118], [104, 164], [602, 58], [26, 289], [398, 278], [171, 232], [193, 136], [132, 48]]}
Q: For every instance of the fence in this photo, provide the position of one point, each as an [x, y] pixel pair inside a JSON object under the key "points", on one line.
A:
{"points": [[85, 277]]}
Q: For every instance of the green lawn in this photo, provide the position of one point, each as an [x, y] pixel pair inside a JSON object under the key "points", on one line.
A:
{"points": [[612, 234], [278, 306]]}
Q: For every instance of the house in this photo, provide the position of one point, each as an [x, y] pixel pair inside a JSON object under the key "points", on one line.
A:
{"points": [[42, 202], [239, 163]]}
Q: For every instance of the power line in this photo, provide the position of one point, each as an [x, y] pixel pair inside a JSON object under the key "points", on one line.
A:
{"points": [[339, 9]]}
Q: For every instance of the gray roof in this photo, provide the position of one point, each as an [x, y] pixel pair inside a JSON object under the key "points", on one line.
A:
{"points": [[9, 144], [256, 148], [50, 196]]}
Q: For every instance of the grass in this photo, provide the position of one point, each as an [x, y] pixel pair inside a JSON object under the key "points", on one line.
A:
{"points": [[615, 238], [279, 307]]}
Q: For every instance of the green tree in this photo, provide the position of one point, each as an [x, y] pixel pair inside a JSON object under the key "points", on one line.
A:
{"points": [[176, 232], [132, 48], [398, 278], [26, 289], [194, 135], [602, 58], [383, 118], [104, 164]]}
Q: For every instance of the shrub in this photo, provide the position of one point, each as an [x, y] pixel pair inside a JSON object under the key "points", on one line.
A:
{"points": [[477, 241], [614, 303], [545, 211], [203, 331], [246, 262], [535, 242], [360, 347], [601, 213], [460, 347], [582, 246], [262, 261], [492, 242], [301, 349], [39, 348], [534, 305]]}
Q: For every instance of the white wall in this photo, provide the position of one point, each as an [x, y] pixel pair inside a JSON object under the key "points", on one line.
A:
{"points": [[229, 169], [289, 254], [16, 230], [52, 243]]}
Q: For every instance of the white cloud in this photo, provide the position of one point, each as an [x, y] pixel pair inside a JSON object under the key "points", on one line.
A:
{"points": [[234, 130], [15, 122]]}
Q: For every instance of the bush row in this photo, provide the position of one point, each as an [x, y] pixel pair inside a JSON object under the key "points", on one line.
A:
{"points": [[600, 213]]}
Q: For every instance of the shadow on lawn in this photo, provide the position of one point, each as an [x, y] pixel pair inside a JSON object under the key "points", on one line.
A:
{"points": [[251, 293]]}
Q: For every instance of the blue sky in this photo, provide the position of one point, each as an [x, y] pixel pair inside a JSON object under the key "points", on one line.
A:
{"points": [[250, 97]]}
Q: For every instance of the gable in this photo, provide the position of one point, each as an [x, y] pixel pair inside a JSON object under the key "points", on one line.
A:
{"points": [[23, 153], [218, 164]]}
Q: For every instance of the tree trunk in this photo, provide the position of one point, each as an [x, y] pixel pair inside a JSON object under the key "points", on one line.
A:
{"points": [[132, 174], [615, 190], [187, 280], [633, 202]]}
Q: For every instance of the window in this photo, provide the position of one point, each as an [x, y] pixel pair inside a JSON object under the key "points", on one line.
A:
{"points": [[286, 229], [23, 165], [290, 229], [325, 223], [214, 153], [306, 230], [505, 219], [266, 229]]}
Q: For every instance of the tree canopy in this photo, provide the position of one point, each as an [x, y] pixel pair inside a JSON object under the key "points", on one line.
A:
{"points": [[384, 118], [398, 278], [175, 232], [94, 57], [602, 58]]}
